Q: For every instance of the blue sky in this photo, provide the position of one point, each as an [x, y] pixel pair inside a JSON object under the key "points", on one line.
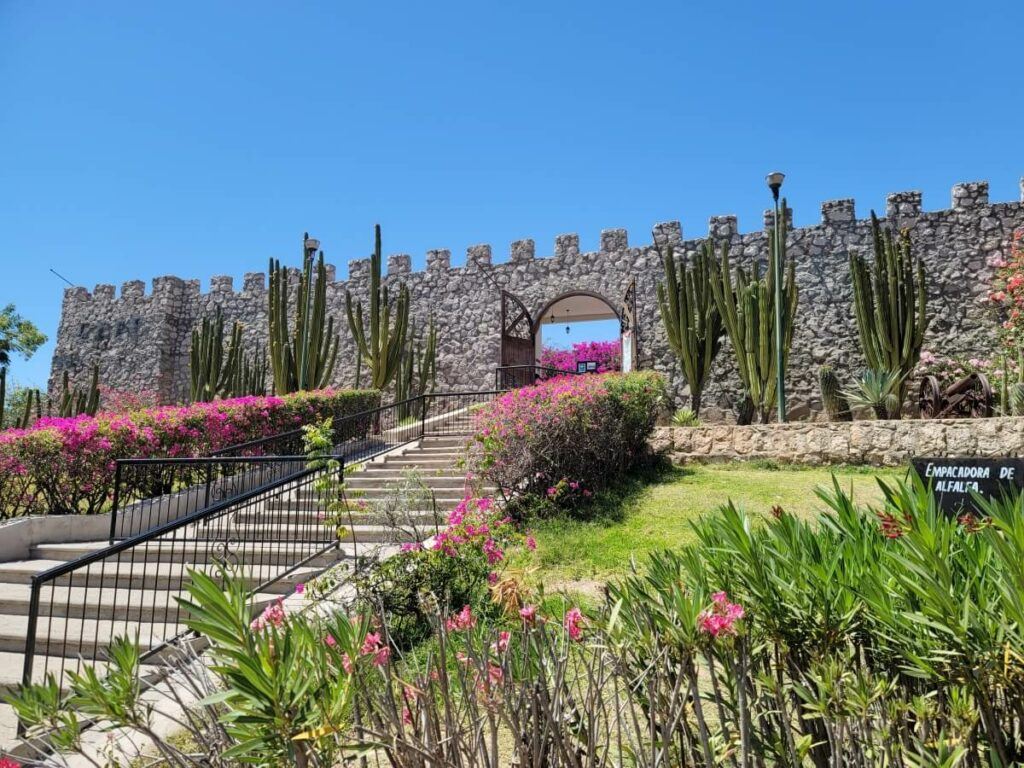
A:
{"points": [[195, 139]]}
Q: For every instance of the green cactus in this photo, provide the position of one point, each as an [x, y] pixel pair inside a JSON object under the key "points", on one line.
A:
{"points": [[890, 305], [383, 346], [691, 317], [214, 374], [747, 306], [1017, 399], [418, 370], [25, 420], [304, 358], [837, 407], [75, 402]]}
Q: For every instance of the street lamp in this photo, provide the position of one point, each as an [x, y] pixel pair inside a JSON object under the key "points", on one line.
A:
{"points": [[774, 181]]}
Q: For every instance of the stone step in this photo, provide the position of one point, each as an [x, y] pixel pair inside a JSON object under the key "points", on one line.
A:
{"points": [[440, 495], [111, 604], [155, 576], [440, 450], [197, 552], [372, 481], [447, 441], [12, 667], [89, 638], [360, 534], [414, 463], [280, 512]]}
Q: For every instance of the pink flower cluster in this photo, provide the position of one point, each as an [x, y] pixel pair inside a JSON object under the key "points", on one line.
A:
{"points": [[607, 355], [273, 616], [66, 465], [1006, 293], [720, 618], [461, 621], [573, 624], [474, 526]]}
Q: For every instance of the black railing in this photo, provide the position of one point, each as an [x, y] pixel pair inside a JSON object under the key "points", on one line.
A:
{"points": [[152, 491], [272, 532], [515, 376]]}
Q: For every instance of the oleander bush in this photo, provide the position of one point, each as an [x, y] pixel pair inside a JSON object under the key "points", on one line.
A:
{"points": [[66, 465], [557, 442], [887, 637]]}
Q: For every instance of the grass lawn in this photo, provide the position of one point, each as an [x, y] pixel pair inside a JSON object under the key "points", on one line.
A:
{"points": [[655, 512]]}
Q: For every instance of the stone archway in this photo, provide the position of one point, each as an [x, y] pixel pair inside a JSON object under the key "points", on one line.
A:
{"points": [[572, 307]]}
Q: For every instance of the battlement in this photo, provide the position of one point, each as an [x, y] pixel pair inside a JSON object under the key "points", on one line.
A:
{"points": [[966, 199]]}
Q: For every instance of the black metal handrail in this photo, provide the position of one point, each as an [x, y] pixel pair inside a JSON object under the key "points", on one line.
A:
{"points": [[270, 531], [148, 491]]}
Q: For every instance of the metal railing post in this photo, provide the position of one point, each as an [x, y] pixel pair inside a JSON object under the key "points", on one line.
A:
{"points": [[117, 498], [30, 641], [423, 416]]}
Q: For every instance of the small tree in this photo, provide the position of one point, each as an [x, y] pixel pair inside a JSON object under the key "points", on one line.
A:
{"points": [[17, 335]]}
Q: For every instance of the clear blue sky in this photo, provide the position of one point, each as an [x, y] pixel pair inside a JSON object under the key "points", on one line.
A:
{"points": [[194, 139]]}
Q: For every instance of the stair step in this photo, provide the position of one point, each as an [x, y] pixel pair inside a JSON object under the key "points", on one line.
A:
{"points": [[279, 512], [360, 534], [12, 666], [199, 553], [109, 604], [88, 638], [403, 461], [156, 576], [425, 480]]}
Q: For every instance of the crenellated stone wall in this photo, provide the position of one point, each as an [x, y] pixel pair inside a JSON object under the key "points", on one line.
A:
{"points": [[141, 340]]}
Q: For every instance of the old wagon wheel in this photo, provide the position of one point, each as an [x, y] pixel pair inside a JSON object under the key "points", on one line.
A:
{"points": [[979, 399], [930, 400]]}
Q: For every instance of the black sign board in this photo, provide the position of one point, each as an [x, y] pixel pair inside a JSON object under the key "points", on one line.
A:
{"points": [[586, 366], [954, 480]]}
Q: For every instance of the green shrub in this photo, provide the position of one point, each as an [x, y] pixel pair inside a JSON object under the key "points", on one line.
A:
{"points": [[685, 417]]}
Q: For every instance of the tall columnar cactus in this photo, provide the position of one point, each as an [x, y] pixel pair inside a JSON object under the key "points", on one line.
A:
{"points": [[304, 358], [214, 374], [418, 370], [75, 402], [3, 394], [25, 420], [691, 317], [890, 304], [382, 347], [747, 306], [837, 407]]}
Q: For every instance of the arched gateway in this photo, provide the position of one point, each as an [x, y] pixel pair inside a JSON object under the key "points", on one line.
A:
{"points": [[521, 330]]}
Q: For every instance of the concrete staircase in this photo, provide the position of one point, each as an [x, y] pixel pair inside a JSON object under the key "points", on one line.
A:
{"points": [[85, 613]]}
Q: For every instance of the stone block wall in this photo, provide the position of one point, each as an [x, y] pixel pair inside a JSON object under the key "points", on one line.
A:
{"points": [[141, 340], [878, 443]]}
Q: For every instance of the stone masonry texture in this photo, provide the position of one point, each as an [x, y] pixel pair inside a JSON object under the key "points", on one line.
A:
{"points": [[877, 443], [141, 340]]}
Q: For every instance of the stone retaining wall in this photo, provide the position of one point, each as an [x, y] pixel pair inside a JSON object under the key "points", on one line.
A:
{"points": [[880, 443]]}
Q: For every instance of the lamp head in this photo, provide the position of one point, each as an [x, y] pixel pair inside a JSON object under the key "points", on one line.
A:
{"points": [[774, 181]]}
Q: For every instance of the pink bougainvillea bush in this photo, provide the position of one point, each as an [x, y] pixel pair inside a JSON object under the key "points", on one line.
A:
{"points": [[607, 355], [1007, 293], [66, 465], [562, 439]]}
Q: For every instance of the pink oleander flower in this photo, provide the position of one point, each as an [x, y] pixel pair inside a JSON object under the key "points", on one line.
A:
{"points": [[462, 620], [406, 716], [374, 647], [7, 762], [329, 641], [346, 663], [528, 613], [531, 543], [412, 546], [492, 578], [273, 616], [573, 624], [300, 588], [721, 618], [501, 644]]}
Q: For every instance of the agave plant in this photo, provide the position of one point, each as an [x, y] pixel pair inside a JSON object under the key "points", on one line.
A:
{"points": [[878, 390]]}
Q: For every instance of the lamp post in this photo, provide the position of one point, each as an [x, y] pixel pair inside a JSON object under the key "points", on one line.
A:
{"points": [[774, 180], [309, 249]]}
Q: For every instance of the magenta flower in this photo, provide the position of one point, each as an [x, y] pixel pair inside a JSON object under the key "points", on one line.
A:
{"points": [[462, 620], [573, 624], [721, 617]]}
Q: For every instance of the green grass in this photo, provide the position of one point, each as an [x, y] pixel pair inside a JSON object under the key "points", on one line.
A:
{"points": [[655, 510]]}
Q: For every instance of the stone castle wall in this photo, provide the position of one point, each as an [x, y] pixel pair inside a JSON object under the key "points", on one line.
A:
{"points": [[141, 341]]}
